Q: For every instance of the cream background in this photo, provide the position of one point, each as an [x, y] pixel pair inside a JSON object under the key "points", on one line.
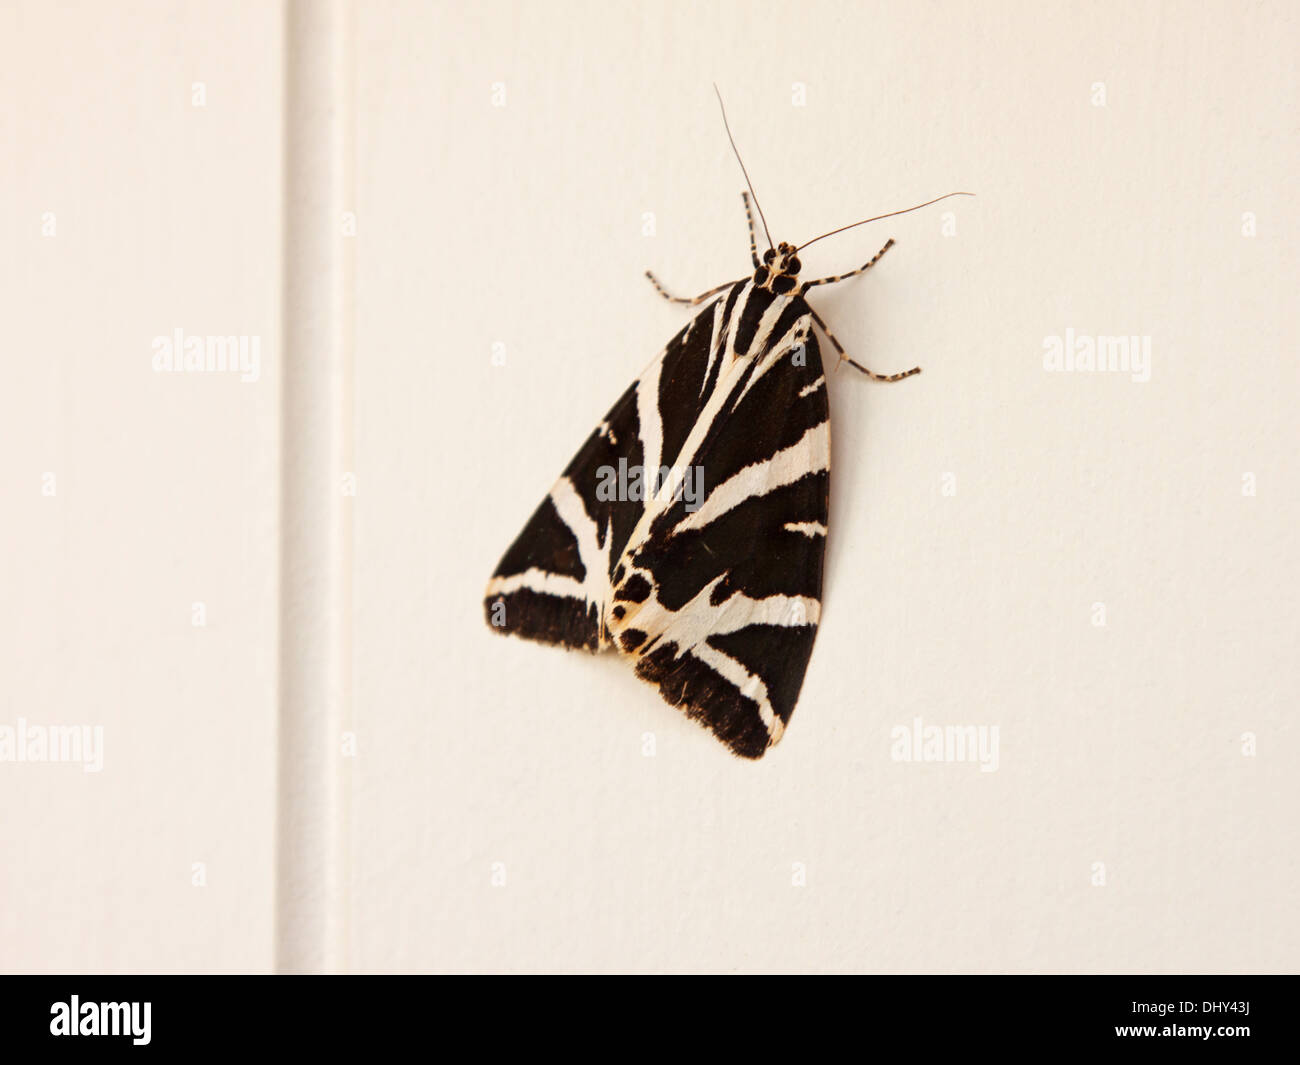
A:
{"points": [[522, 225], [167, 216]]}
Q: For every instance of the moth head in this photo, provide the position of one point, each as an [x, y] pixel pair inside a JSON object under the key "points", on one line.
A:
{"points": [[780, 269], [788, 262], [783, 260]]}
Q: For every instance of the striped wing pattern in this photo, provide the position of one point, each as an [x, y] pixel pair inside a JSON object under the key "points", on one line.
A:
{"points": [[713, 594]]}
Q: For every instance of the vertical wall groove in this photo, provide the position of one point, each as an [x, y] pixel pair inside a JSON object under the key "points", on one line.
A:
{"points": [[315, 520]]}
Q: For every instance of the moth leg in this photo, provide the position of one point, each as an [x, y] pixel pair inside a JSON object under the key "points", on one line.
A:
{"points": [[852, 273], [844, 355], [682, 299], [749, 217]]}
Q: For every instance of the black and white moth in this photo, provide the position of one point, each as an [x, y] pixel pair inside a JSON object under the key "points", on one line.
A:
{"points": [[704, 569]]}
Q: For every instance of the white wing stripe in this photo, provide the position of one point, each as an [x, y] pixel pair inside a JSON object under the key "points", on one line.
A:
{"points": [[810, 454], [808, 528], [749, 685], [595, 558], [537, 580], [647, 414], [771, 356]]}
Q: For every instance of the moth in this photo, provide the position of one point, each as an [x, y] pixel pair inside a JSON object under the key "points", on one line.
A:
{"points": [[703, 564]]}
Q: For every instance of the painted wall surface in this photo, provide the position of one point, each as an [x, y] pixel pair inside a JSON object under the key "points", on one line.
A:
{"points": [[139, 196], [1133, 167]]}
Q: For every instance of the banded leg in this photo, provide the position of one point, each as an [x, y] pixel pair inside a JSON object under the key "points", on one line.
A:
{"points": [[852, 273], [844, 356], [749, 217], [682, 299]]}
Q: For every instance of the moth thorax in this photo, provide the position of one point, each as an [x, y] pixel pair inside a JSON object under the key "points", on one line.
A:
{"points": [[780, 270]]}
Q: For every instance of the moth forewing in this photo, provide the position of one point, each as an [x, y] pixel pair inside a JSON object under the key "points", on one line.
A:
{"points": [[717, 604]]}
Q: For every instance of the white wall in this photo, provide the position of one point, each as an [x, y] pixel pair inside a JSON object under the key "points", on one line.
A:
{"points": [[1120, 744], [127, 212]]}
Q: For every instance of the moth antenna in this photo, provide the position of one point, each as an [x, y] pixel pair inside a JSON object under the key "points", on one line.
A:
{"points": [[727, 126], [878, 217]]}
